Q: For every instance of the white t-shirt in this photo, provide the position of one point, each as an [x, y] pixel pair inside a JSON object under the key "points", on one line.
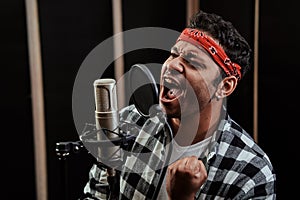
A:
{"points": [[181, 152]]}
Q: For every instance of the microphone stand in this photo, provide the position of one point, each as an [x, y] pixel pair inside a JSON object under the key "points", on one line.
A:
{"points": [[123, 141], [64, 150], [114, 183]]}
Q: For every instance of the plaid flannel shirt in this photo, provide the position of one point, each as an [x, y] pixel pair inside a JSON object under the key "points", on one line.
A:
{"points": [[237, 167]]}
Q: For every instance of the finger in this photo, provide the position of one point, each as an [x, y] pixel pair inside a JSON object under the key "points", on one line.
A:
{"points": [[193, 164], [174, 166], [202, 170], [181, 161]]}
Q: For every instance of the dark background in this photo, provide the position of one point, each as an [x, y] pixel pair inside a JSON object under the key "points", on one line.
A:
{"points": [[71, 29]]}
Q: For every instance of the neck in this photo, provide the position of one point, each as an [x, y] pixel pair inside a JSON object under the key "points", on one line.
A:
{"points": [[196, 127]]}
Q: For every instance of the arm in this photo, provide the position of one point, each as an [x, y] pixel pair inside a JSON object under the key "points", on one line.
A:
{"points": [[265, 188], [97, 186]]}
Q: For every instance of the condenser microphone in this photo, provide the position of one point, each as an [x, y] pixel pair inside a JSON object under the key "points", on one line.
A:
{"points": [[107, 122]]}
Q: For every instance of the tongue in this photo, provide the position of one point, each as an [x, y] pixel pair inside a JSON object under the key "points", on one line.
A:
{"points": [[173, 93]]}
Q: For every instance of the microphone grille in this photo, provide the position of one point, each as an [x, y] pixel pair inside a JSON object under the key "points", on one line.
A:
{"points": [[105, 95]]}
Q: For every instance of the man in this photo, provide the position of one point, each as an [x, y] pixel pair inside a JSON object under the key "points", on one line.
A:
{"points": [[210, 156]]}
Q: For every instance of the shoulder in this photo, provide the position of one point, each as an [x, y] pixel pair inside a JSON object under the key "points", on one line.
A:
{"points": [[240, 161], [246, 150], [235, 143], [240, 164]]}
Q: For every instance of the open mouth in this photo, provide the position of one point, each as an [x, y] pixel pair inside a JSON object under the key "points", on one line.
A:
{"points": [[172, 90]]}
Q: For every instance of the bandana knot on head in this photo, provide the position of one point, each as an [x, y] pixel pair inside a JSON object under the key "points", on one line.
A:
{"points": [[197, 37]]}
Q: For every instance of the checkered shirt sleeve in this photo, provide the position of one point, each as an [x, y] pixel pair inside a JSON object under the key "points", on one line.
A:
{"points": [[238, 168], [142, 169]]}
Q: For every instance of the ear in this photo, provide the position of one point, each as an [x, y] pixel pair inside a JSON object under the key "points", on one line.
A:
{"points": [[226, 87]]}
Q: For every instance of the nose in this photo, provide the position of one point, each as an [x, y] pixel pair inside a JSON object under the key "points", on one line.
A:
{"points": [[175, 65]]}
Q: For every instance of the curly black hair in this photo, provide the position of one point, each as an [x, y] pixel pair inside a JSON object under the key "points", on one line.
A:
{"points": [[234, 45]]}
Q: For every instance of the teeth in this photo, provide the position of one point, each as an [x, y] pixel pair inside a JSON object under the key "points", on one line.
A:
{"points": [[168, 80], [170, 83], [172, 89]]}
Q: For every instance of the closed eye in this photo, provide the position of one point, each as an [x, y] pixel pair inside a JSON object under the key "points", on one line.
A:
{"points": [[193, 61], [174, 55]]}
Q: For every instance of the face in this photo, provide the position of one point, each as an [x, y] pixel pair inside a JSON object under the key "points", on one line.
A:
{"points": [[187, 78]]}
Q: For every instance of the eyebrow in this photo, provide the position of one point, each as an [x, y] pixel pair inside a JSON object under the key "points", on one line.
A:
{"points": [[191, 53]]}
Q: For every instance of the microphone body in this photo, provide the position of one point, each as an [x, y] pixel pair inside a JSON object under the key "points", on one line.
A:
{"points": [[107, 122]]}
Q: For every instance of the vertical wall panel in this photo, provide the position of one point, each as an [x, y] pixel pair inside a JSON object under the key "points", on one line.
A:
{"points": [[192, 7], [255, 70], [37, 96]]}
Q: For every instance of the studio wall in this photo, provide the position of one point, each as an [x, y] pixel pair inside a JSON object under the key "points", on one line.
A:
{"points": [[70, 30]]}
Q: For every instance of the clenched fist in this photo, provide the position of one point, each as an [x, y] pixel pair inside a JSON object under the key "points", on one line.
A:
{"points": [[185, 177]]}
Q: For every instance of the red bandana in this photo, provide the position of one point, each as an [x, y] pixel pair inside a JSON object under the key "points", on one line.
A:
{"points": [[197, 37]]}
